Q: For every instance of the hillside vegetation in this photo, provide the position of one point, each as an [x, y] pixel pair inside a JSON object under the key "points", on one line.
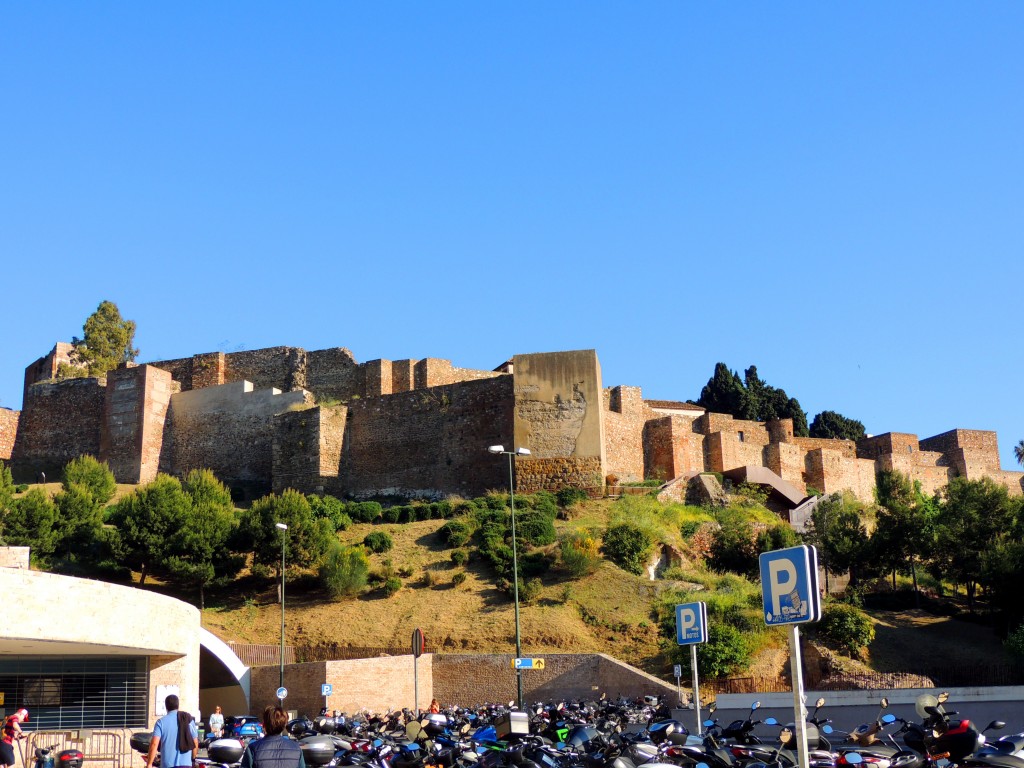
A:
{"points": [[595, 575]]}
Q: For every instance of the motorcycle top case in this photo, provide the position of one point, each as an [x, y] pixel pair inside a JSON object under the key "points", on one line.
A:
{"points": [[317, 750], [225, 750], [69, 758], [140, 741], [512, 723]]}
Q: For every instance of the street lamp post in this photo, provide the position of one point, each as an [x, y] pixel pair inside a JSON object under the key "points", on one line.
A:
{"points": [[500, 449], [284, 539]]}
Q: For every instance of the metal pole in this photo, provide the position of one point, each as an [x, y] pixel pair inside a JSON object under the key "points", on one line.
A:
{"points": [[515, 580], [284, 537], [696, 686], [799, 710], [415, 686]]}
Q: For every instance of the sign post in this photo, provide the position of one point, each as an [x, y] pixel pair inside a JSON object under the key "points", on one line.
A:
{"points": [[417, 651], [691, 629], [326, 690], [678, 670], [789, 592]]}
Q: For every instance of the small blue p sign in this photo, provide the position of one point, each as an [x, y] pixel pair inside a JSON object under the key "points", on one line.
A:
{"points": [[691, 623]]}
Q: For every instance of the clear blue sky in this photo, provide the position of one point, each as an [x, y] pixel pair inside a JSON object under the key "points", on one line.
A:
{"points": [[832, 192]]}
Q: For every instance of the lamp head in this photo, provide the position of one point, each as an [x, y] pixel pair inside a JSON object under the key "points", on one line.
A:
{"points": [[522, 451], [282, 526], [496, 449]]}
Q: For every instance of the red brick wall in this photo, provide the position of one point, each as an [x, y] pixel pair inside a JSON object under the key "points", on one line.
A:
{"points": [[136, 405]]}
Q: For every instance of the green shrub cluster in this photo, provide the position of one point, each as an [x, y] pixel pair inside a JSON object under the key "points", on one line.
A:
{"points": [[847, 626], [378, 541], [345, 570], [580, 555], [628, 546], [460, 557], [569, 496], [392, 585]]}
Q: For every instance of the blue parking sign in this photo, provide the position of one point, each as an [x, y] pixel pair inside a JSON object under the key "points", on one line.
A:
{"points": [[789, 586], [691, 623]]}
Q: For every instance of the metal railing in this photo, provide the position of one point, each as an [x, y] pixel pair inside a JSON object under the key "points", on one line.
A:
{"points": [[253, 655], [109, 748], [937, 676], [335, 652]]}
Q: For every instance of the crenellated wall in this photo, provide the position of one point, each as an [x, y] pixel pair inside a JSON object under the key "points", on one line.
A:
{"points": [[230, 430], [421, 428]]}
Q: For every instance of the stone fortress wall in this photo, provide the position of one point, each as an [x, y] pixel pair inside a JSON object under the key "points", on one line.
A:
{"points": [[282, 417]]}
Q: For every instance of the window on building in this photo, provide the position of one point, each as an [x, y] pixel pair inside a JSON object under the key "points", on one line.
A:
{"points": [[85, 692], [741, 436]]}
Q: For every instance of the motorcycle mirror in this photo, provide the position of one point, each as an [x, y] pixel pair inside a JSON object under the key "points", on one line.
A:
{"points": [[995, 725], [820, 702], [709, 723], [712, 707], [888, 718], [854, 758], [826, 729], [785, 735], [884, 702], [755, 705], [943, 697], [771, 721]]}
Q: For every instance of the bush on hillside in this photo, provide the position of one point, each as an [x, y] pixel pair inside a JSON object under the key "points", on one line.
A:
{"points": [[332, 509], [628, 547], [378, 541], [455, 533], [847, 626], [460, 557], [535, 528], [1015, 642], [392, 585], [580, 554], [364, 511], [727, 651], [345, 571]]}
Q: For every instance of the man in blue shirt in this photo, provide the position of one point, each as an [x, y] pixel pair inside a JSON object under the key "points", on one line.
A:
{"points": [[165, 739]]}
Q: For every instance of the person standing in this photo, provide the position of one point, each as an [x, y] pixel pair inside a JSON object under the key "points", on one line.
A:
{"points": [[275, 749], [175, 737], [216, 723], [11, 733]]}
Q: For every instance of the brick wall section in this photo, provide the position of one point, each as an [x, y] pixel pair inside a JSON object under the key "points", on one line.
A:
{"points": [[8, 431], [932, 469], [832, 472], [403, 375], [229, 429], [59, 422], [209, 370], [428, 443], [180, 370], [333, 374], [281, 368], [534, 475], [136, 405], [847, 448], [379, 377], [788, 461], [294, 454], [725, 452], [374, 684], [435, 372], [45, 368], [624, 418], [890, 442], [471, 679]]}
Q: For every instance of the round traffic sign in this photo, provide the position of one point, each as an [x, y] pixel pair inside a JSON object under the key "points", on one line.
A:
{"points": [[282, 693]]}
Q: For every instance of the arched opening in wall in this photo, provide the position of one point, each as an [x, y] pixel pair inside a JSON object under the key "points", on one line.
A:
{"points": [[223, 678]]}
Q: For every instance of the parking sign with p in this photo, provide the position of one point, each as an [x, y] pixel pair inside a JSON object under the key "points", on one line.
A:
{"points": [[691, 623], [789, 586]]}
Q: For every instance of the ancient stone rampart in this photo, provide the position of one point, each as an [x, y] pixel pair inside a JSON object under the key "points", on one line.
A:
{"points": [[421, 428], [8, 431], [58, 423], [228, 429]]}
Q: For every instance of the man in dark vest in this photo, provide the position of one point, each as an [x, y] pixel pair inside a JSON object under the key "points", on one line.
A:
{"points": [[275, 750]]}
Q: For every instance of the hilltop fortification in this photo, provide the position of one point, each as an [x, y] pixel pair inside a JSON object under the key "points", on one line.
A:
{"points": [[282, 417]]}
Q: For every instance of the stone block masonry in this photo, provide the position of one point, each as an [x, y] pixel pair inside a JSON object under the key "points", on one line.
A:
{"points": [[59, 422], [228, 429], [8, 430], [420, 428], [428, 443]]}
